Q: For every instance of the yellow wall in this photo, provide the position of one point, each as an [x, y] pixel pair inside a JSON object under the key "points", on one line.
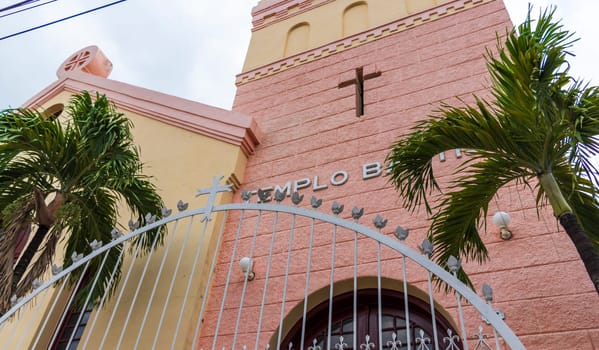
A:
{"points": [[181, 162], [326, 23]]}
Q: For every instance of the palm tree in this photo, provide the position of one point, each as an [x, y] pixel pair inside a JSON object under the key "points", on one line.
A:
{"points": [[538, 130], [86, 164]]}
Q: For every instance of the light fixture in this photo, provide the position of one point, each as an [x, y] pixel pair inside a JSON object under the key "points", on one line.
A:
{"points": [[502, 219], [247, 267]]}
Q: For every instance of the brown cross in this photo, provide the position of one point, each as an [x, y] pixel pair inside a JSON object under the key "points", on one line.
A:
{"points": [[358, 81]]}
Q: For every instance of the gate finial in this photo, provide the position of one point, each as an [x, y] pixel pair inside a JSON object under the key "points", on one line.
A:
{"points": [[216, 188]]}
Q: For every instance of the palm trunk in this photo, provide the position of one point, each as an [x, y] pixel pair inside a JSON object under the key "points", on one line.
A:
{"points": [[563, 211], [583, 245], [28, 255]]}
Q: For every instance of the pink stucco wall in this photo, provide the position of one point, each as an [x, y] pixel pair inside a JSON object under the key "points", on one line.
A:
{"points": [[310, 128]]}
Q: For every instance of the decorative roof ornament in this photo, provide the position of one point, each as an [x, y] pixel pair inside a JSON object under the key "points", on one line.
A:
{"points": [[90, 60]]}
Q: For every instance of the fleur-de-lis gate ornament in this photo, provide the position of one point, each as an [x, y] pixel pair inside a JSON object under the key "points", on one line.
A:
{"points": [[367, 345]]}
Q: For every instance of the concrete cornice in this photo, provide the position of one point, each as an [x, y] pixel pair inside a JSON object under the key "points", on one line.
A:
{"points": [[272, 11], [228, 126], [351, 41]]}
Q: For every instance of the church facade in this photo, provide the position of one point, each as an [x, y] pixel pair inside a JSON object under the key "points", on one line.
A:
{"points": [[406, 59], [326, 88]]}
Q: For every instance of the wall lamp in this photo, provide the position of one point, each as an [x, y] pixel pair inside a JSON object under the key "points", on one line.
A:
{"points": [[502, 219], [247, 267]]}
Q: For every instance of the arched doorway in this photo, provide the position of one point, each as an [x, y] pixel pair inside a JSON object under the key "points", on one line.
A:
{"points": [[393, 317]]}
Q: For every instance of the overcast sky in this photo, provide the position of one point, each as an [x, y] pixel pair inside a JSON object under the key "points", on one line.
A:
{"points": [[187, 48]]}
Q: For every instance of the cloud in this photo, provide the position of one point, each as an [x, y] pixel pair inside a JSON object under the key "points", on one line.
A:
{"points": [[190, 49]]}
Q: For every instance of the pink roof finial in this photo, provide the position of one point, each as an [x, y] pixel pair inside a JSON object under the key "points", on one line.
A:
{"points": [[89, 60]]}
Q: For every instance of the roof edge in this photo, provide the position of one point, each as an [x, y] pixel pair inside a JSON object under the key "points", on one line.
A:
{"points": [[229, 126]]}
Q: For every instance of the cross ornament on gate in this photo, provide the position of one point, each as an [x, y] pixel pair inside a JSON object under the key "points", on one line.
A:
{"points": [[212, 191], [358, 81]]}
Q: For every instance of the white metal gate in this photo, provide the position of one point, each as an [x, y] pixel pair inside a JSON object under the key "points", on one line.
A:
{"points": [[294, 257]]}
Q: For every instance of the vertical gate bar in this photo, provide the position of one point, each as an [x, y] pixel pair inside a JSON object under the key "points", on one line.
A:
{"points": [[71, 298], [110, 281], [292, 231], [309, 267], [3, 324], [461, 316], [118, 301], [88, 297], [406, 303], [355, 306], [494, 330], [191, 275], [245, 283], [156, 280], [141, 278], [210, 274], [497, 346], [61, 289], [379, 296], [432, 302], [28, 326], [266, 276], [16, 318], [226, 289], [172, 284], [330, 321]]}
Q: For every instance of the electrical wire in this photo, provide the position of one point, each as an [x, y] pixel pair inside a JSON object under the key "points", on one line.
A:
{"points": [[60, 20], [19, 4], [28, 8]]}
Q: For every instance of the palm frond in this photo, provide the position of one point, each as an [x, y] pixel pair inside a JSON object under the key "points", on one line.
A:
{"points": [[474, 128], [541, 123], [14, 220], [90, 158], [455, 226], [40, 264]]}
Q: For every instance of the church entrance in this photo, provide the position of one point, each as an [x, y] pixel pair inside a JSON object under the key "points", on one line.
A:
{"points": [[364, 325]]}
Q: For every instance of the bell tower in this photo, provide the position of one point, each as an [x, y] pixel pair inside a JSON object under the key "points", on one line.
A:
{"points": [[322, 58], [282, 29]]}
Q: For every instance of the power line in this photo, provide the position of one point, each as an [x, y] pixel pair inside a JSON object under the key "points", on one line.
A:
{"points": [[60, 20], [19, 4], [28, 8]]}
